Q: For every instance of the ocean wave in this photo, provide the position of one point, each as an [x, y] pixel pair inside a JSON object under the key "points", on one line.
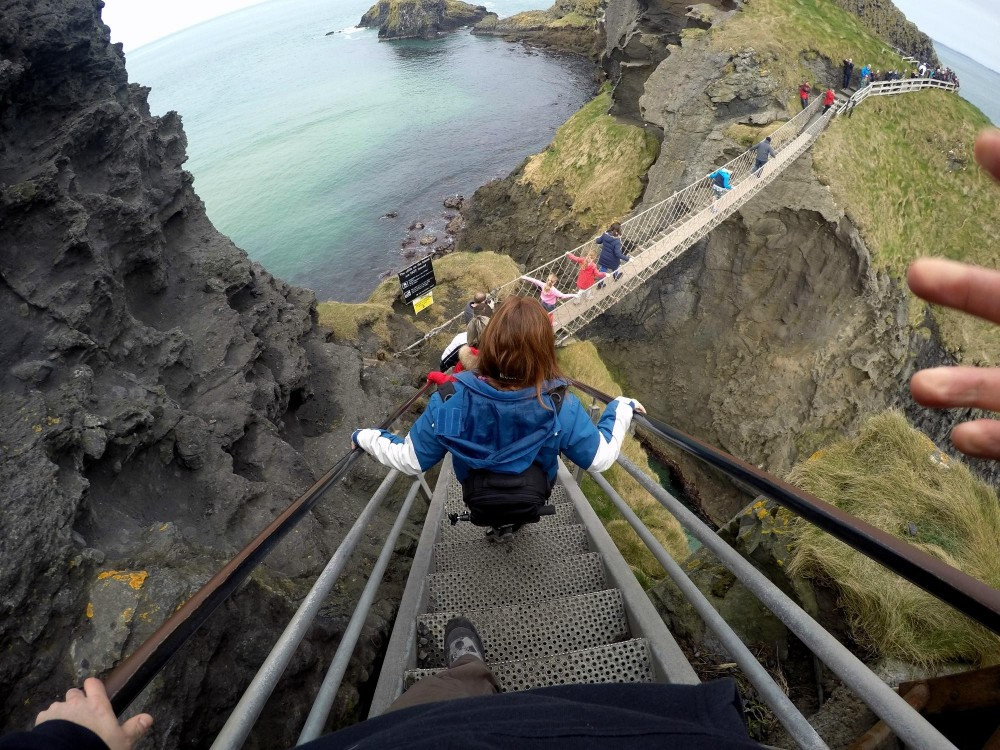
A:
{"points": [[351, 29]]}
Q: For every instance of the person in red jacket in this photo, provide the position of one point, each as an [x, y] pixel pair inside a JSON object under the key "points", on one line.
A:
{"points": [[828, 99], [804, 91], [589, 272]]}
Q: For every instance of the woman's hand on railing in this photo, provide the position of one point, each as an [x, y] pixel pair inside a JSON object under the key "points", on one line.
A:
{"points": [[973, 290]]}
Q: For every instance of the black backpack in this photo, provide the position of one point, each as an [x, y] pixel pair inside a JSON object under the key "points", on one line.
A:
{"points": [[495, 499]]}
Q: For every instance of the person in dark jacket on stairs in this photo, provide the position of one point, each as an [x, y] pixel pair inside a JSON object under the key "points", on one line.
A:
{"points": [[612, 254], [461, 707], [848, 72]]}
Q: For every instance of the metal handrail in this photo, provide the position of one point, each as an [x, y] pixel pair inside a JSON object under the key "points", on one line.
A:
{"points": [[130, 677], [247, 710], [887, 704], [790, 717], [956, 588]]}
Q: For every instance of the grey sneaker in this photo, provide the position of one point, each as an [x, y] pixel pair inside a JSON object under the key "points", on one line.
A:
{"points": [[461, 639]]}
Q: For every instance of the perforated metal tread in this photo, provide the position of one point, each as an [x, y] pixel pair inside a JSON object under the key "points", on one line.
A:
{"points": [[530, 583], [545, 544], [628, 661], [516, 633], [455, 504], [464, 531]]}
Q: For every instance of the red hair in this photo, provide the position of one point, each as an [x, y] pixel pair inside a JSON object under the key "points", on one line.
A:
{"points": [[518, 349]]}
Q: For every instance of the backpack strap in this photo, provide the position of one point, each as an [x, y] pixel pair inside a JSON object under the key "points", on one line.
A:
{"points": [[446, 390], [558, 396]]}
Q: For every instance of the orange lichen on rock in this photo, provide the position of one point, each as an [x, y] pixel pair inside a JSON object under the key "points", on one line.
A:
{"points": [[134, 578]]}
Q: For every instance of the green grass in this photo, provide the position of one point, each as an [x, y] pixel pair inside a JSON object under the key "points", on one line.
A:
{"points": [[782, 30], [599, 161], [458, 275], [891, 476], [582, 361], [903, 167]]}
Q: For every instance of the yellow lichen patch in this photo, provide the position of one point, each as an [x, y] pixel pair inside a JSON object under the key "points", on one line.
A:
{"points": [[50, 421], [127, 614], [134, 578], [164, 527], [90, 610], [36, 428]]}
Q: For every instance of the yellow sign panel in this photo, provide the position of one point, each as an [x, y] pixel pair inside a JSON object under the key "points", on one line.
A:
{"points": [[422, 303]]}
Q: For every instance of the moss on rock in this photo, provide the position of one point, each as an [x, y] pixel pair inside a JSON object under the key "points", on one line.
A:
{"points": [[403, 19]]}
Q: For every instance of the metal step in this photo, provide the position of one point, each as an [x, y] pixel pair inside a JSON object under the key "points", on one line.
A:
{"points": [[532, 582], [628, 661], [464, 531], [530, 543], [516, 633], [455, 504]]}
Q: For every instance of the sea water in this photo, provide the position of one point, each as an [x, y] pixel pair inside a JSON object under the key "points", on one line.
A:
{"points": [[299, 141], [980, 85]]}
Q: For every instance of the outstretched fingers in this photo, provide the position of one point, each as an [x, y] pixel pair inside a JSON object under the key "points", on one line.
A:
{"points": [[979, 438], [959, 285], [988, 152], [950, 387]]}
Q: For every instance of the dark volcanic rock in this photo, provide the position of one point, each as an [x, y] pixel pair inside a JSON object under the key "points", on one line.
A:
{"points": [[161, 397], [403, 19]]}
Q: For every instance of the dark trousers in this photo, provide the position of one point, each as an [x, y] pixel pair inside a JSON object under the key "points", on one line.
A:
{"points": [[805, 101], [847, 79], [759, 167], [468, 677]]}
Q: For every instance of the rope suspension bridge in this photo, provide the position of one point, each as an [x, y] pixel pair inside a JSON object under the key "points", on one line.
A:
{"points": [[560, 604], [662, 232]]}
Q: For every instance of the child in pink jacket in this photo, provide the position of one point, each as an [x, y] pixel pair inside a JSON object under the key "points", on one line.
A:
{"points": [[549, 293]]}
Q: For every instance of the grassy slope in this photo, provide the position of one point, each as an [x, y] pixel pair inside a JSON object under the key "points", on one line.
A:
{"points": [[892, 475], [784, 30], [889, 166], [582, 361], [458, 275], [599, 161]]}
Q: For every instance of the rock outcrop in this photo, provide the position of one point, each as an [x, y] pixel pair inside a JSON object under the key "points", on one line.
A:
{"points": [[425, 19], [569, 25], [887, 21], [162, 398]]}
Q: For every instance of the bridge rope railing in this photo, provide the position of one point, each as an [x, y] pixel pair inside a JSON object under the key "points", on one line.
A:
{"points": [[660, 233]]}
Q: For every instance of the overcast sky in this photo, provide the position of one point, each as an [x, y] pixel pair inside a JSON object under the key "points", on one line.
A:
{"points": [[138, 22], [971, 27]]}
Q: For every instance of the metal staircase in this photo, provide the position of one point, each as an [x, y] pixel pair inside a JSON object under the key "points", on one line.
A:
{"points": [[558, 605]]}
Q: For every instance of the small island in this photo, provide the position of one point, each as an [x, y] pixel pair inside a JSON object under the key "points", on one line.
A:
{"points": [[420, 19], [569, 25]]}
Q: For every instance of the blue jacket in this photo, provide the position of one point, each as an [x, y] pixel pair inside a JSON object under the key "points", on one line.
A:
{"points": [[721, 177], [611, 252], [506, 431]]}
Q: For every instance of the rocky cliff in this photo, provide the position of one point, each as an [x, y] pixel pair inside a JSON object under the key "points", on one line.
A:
{"points": [[162, 398], [888, 22], [569, 25], [425, 19]]}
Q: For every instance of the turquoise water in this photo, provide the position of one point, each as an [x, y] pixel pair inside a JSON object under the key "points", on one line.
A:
{"points": [[299, 141], [980, 85]]}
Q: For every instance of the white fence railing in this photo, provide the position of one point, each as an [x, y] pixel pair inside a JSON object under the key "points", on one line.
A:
{"points": [[660, 233]]}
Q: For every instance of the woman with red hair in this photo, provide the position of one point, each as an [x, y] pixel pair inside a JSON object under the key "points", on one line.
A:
{"points": [[506, 423]]}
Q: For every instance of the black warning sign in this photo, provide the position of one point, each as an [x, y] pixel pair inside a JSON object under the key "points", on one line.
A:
{"points": [[417, 280]]}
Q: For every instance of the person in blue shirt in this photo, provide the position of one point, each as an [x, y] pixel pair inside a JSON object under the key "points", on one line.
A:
{"points": [[721, 184], [511, 417], [612, 254]]}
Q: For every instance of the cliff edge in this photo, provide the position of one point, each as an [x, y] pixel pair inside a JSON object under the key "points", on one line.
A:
{"points": [[162, 397]]}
